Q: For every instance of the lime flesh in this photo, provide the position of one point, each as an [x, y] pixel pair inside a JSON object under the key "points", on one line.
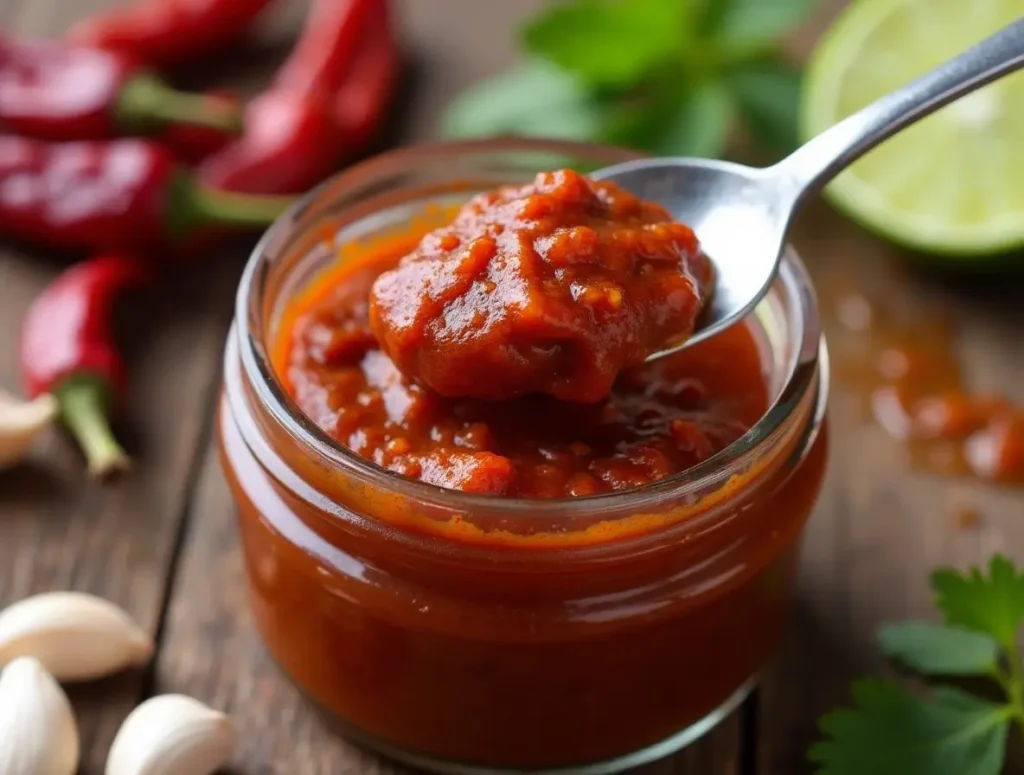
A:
{"points": [[953, 183]]}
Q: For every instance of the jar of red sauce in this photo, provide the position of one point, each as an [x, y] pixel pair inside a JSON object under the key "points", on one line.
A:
{"points": [[475, 633]]}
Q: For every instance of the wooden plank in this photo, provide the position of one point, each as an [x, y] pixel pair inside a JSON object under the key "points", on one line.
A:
{"points": [[719, 753], [211, 649], [881, 526], [59, 530]]}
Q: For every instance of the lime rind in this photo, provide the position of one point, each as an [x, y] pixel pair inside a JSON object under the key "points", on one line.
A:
{"points": [[953, 184]]}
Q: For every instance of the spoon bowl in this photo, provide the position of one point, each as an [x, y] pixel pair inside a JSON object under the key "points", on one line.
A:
{"points": [[737, 215], [741, 214]]}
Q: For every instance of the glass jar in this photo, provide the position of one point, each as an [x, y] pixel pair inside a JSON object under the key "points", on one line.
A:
{"points": [[467, 633]]}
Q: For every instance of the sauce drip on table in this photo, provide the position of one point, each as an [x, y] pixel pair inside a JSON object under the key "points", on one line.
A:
{"points": [[919, 395]]}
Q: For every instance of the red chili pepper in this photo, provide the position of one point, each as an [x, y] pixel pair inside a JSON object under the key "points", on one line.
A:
{"points": [[327, 46], [193, 144], [56, 92], [164, 33], [292, 136], [361, 102], [67, 349], [290, 144], [126, 195]]}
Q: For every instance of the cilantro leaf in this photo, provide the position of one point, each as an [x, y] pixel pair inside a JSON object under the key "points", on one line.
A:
{"points": [[992, 604], [535, 99], [646, 74], [743, 25], [891, 732], [767, 93], [607, 43], [700, 124], [937, 650]]}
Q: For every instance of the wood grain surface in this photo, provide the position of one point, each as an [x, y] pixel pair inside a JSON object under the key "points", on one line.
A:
{"points": [[162, 540]]}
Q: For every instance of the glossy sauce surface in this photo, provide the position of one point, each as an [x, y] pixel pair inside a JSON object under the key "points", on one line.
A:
{"points": [[547, 288], [659, 419]]}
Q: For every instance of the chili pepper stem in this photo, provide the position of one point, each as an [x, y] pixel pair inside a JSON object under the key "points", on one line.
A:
{"points": [[84, 404], [194, 206], [147, 103]]}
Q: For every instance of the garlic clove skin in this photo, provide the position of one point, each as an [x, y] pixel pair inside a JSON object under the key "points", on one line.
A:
{"points": [[21, 422], [172, 735], [76, 636], [38, 733]]}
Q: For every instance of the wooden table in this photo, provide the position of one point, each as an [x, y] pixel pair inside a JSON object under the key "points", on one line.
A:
{"points": [[162, 541]]}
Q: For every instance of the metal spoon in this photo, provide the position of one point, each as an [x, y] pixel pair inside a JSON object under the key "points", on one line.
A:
{"points": [[741, 214]]}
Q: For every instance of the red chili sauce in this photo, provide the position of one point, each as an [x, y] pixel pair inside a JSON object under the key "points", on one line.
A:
{"points": [[656, 421], [547, 288]]}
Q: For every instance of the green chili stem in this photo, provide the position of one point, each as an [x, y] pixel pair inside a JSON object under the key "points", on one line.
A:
{"points": [[84, 405], [146, 103], [231, 209], [192, 207]]}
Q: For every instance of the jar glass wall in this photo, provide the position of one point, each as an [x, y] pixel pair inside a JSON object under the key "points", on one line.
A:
{"points": [[471, 633]]}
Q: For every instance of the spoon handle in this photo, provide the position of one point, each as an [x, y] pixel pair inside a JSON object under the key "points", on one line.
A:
{"points": [[821, 159]]}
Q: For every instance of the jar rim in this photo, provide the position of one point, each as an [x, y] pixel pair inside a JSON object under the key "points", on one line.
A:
{"points": [[248, 335]]}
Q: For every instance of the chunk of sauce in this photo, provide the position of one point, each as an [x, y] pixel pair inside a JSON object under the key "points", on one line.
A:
{"points": [[658, 420], [547, 288]]}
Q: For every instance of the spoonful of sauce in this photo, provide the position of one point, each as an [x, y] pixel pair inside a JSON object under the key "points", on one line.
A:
{"points": [[741, 214], [556, 286]]}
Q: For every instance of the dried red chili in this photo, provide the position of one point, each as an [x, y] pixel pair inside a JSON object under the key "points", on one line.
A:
{"points": [[67, 349], [57, 92], [326, 99], [126, 195], [164, 33]]}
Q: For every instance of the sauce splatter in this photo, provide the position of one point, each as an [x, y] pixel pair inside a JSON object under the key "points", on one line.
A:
{"points": [[905, 364]]}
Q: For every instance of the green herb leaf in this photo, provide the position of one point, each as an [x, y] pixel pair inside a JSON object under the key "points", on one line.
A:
{"points": [[535, 99], [992, 604], [891, 732], [700, 124], [937, 650], [741, 26], [767, 93], [673, 121], [608, 43]]}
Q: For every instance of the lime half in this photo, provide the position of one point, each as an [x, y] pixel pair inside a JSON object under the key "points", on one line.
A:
{"points": [[954, 183]]}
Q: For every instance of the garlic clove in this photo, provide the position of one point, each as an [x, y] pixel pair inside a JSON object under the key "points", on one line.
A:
{"points": [[76, 636], [38, 733], [171, 735], [20, 423]]}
